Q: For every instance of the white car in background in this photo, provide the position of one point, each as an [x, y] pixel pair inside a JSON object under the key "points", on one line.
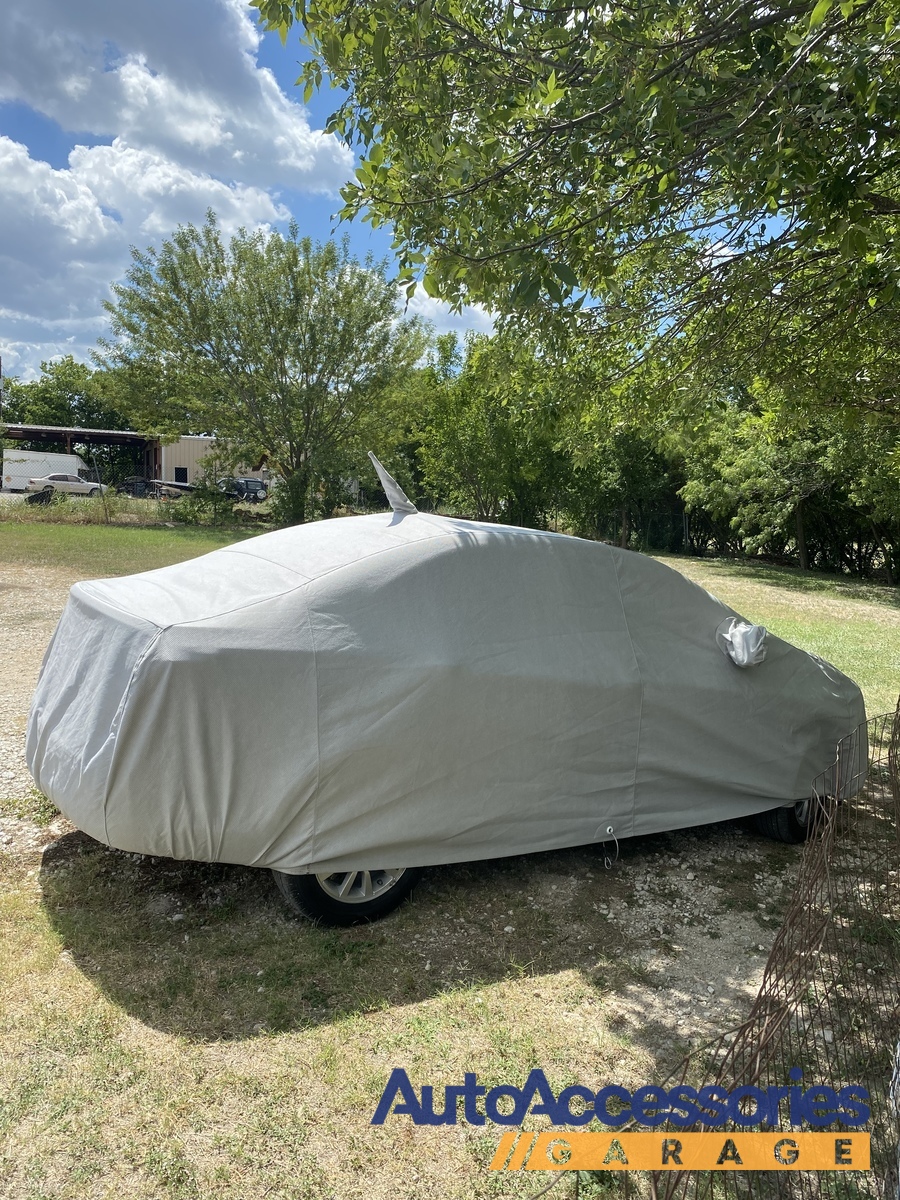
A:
{"points": [[73, 485]]}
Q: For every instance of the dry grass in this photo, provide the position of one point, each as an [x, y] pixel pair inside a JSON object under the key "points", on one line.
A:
{"points": [[238, 1052], [115, 508], [111, 508], [33, 806], [172, 1030]]}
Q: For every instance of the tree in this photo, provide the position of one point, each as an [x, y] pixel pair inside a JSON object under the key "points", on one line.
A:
{"points": [[488, 444], [638, 165], [824, 491], [280, 348], [622, 488], [69, 393]]}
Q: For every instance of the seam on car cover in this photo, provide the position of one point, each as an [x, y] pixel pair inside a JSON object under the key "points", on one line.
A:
{"points": [[637, 751], [398, 545], [117, 721], [44, 659], [306, 581], [261, 558], [226, 612], [315, 812], [86, 587]]}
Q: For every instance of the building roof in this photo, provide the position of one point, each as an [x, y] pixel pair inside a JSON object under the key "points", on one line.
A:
{"points": [[58, 433]]}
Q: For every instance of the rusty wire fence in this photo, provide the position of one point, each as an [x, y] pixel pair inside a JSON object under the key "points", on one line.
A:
{"points": [[829, 1001]]}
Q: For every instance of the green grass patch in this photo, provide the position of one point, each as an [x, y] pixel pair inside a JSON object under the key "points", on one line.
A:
{"points": [[171, 1030], [102, 550], [34, 806], [854, 625]]}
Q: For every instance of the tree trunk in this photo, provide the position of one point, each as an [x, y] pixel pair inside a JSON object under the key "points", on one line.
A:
{"points": [[626, 529], [801, 539], [886, 555], [295, 491]]}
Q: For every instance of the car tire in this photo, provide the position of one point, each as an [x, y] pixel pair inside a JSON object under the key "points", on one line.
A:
{"points": [[368, 894], [789, 824], [94, 492]]}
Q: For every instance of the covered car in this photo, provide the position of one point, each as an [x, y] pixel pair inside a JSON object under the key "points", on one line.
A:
{"points": [[426, 690]]}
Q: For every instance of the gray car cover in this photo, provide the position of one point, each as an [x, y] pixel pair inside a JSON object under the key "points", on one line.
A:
{"points": [[405, 689]]}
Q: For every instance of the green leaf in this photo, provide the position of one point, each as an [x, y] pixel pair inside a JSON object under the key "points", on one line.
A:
{"points": [[819, 13], [554, 291], [564, 272], [379, 48], [332, 49], [528, 289]]}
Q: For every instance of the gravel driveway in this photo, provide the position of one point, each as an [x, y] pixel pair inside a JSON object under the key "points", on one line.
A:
{"points": [[31, 601]]}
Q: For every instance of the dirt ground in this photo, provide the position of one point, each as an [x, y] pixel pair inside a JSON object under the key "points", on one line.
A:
{"points": [[31, 600]]}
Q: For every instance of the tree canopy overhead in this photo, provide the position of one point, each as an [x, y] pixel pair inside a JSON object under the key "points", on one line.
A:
{"points": [[642, 163]]}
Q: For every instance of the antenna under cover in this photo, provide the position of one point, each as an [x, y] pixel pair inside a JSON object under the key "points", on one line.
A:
{"points": [[397, 498]]}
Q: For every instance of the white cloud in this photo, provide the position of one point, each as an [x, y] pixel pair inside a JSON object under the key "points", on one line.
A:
{"points": [[178, 80], [23, 349], [150, 194], [475, 318], [65, 234], [194, 124], [58, 248]]}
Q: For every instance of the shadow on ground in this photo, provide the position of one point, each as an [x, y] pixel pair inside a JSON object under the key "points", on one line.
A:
{"points": [[209, 952]]}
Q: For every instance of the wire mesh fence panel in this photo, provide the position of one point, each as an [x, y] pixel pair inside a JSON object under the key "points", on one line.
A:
{"points": [[829, 1002]]}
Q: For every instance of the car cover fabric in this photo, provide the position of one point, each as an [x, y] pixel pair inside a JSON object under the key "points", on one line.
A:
{"points": [[405, 689], [745, 644]]}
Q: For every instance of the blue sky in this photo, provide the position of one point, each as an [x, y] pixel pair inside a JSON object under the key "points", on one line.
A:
{"points": [[120, 121]]}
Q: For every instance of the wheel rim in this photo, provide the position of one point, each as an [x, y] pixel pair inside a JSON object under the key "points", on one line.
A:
{"points": [[359, 887]]}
